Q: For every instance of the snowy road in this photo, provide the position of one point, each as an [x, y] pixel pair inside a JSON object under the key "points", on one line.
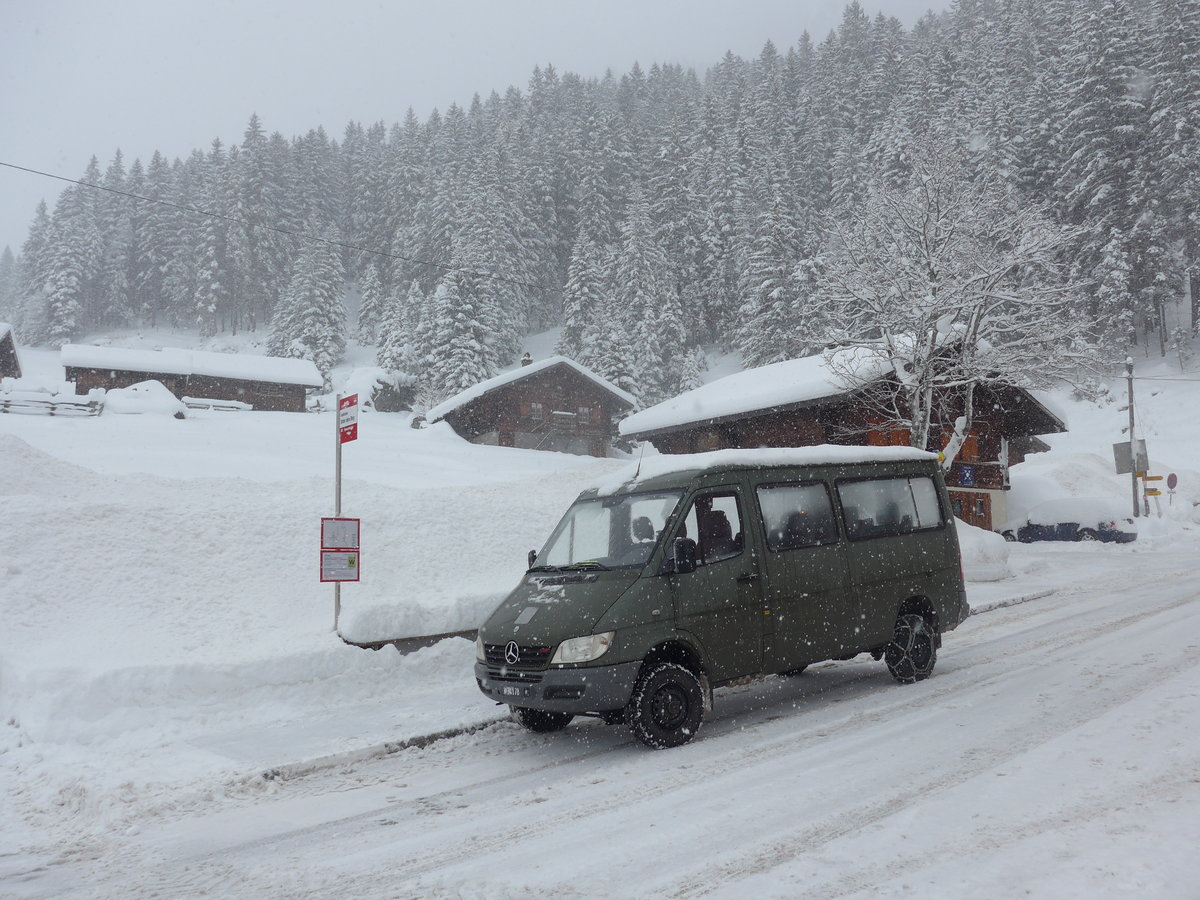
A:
{"points": [[1053, 754]]}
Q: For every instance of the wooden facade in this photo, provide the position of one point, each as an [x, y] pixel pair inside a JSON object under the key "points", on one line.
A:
{"points": [[1004, 429], [554, 407], [10, 363], [87, 379]]}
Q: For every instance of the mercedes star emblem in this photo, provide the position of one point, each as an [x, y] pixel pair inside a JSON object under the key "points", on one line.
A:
{"points": [[512, 653]]}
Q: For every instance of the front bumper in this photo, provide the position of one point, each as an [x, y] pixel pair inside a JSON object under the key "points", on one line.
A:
{"points": [[586, 689]]}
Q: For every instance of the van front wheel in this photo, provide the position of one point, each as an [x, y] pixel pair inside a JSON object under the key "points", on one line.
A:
{"points": [[666, 706], [911, 655], [541, 721]]}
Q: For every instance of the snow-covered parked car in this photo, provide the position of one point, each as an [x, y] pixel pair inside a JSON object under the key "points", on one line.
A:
{"points": [[1078, 519]]}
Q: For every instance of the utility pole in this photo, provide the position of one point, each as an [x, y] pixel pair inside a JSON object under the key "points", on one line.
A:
{"points": [[1133, 453], [337, 495]]}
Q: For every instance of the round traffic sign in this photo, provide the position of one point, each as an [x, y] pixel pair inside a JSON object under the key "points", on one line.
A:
{"points": [[1172, 480]]}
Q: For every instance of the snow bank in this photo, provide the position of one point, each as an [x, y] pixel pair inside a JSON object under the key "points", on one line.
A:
{"points": [[984, 553], [1087, 511], [145, 397]]}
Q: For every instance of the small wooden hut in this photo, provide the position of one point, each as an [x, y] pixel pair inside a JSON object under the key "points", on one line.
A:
{"points": [[553, 404], [264, 382]]}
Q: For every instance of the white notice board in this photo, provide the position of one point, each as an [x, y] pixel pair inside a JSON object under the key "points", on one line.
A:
{"points": [[339, 534], [339, 565]]}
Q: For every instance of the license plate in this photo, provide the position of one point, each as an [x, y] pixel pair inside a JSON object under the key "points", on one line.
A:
{"points": [[509, 690]]}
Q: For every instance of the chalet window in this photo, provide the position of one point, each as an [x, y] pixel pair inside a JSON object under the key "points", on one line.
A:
{"points": [[537, 410], [585, 412], [875, 507], [981, 507]]}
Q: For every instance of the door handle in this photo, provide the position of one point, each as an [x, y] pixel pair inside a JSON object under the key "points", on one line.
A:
{"points": [[747, 578]]}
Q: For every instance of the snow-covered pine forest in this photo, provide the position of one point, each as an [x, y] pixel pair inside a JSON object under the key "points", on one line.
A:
{"points": [[653, 212]]}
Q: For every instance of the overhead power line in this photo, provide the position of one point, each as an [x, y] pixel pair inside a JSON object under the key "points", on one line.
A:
{"points": [[285, 231]]}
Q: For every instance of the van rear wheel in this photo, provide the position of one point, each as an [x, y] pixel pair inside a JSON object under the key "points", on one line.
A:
{"points": [[666, 706], [541, 721], [912, 653]]}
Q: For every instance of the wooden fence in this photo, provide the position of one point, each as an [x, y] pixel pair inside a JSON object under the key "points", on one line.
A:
{"points": [[49, 405]]}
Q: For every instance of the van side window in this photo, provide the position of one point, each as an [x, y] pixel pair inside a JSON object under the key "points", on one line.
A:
{"points": [[887, 506], [797, 515], [714, 522]]}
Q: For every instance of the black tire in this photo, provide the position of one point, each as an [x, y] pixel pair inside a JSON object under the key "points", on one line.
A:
{"points": [[792, 673], [912, 653], [1009, 536], [666, 706], [1086, 534], [541, 721]]}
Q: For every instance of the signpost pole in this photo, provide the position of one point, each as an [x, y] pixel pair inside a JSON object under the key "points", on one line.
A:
{"points": [[337, 500], [1133, 475]]}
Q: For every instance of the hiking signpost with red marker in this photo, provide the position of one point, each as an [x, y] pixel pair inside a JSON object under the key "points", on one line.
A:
{"points": [[347, 419], [340, 556]]}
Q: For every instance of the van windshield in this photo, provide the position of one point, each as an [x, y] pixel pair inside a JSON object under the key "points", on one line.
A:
{"points": [[609, 532]]}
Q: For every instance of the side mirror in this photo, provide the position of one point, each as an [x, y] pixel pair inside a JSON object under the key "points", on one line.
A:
{"points": [[532, 559], [685, 556]]}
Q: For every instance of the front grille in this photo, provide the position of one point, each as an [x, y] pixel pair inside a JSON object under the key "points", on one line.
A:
{"points": [[514, 675], [527, 657]]}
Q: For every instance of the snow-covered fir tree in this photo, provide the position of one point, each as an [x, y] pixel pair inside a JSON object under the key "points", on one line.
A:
{"points": [[310, 321], [371, 306], [461, 355], [1083, 107], [400, 331]]}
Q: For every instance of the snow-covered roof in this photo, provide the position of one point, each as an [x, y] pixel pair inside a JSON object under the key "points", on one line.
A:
{"points": [[780, 384], [670, 463], [5, 329], [504, 378], [173, 361]]}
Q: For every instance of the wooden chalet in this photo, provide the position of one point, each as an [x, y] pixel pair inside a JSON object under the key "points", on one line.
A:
{"points": [[10, 363], [553, 404], [266, 383], [800, 403]]}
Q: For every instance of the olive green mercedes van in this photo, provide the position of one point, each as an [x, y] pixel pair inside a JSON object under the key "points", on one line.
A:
{"points": [[701, 569]]}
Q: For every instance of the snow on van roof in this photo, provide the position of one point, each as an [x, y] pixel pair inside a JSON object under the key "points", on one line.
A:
{"points": [[778, 384], [173, 361], [668, 464], [491, 384]]}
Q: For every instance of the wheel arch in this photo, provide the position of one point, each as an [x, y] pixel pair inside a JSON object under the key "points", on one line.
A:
{"points": [[684, 654], [925, 608], [677, 651]]}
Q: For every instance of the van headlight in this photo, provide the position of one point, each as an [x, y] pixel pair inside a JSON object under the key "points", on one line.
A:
{"points": [[479, 654], [583, 649]]}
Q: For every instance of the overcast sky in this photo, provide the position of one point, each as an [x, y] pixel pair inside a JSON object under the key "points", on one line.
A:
{"points": [[81, 78]]}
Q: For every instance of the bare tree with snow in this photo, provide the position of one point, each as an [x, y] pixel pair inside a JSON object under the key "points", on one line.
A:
{"points": [[947, 284]]}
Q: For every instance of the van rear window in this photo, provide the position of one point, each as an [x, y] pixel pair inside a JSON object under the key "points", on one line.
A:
{"points": [[878, 507]]}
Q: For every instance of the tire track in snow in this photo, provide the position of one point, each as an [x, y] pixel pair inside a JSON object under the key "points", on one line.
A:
{"points": [[485, 837], [1106, 693]]}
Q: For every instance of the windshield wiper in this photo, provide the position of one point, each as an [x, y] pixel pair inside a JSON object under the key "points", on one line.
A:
{"points": [[543, 568], [585, 564]]}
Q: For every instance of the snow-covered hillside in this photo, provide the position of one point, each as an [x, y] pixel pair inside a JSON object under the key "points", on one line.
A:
{"points": [[165, 628]]}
